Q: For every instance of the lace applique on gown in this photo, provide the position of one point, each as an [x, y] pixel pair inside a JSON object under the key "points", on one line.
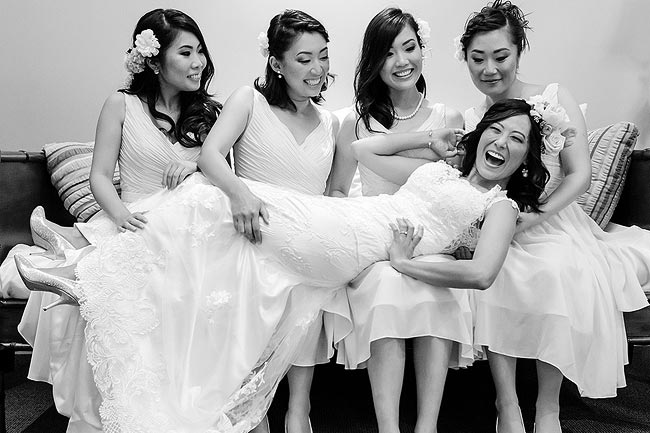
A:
{"points": [[565, 284]]}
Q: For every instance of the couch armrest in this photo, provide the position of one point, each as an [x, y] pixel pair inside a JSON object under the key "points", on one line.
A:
{"points": [[634, 205]]}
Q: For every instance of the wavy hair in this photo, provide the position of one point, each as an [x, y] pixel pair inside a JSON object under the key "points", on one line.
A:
{"points": [[198, 110], [494, 16], [525, 190], [371, 93], [283, 30]]}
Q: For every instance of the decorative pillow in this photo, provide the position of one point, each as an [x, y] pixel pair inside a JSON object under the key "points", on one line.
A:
{"points": [[69, 168], [610, 149]]}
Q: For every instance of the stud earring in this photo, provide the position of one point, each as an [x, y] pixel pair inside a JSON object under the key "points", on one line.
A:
{"points": [[524, 172], [156, 71]]}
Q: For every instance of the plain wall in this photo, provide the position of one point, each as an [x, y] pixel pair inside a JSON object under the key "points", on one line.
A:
{"points": [[61, 59]]}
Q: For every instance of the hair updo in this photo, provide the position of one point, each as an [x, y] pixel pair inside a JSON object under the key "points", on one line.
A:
{"points": [[494, 16], [283, 31]]}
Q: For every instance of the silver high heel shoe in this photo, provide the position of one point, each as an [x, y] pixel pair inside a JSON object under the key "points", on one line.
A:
{"points": [[45, 237], [38, 280]]}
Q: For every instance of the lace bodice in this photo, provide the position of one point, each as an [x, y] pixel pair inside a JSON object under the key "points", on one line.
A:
{"points": [[372, 183], [330, 240], [145, 152], [268, 152], [473, 116]]}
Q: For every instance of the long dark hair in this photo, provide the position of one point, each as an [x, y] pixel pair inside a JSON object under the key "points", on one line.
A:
{"points": [[495, 16], [371, 93], [283, 30], [525, 190], [198, 110]]}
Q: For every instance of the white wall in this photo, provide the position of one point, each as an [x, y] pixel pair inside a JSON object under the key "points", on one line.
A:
{"points": [[60, 59]]}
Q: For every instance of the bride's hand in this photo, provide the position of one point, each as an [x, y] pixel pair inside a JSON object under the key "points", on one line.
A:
{"points": [[247, 209], [405, 239], [444, 142]]}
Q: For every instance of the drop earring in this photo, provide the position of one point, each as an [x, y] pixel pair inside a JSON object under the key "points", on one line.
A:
{"points": [[524, 171], [280, 76]]}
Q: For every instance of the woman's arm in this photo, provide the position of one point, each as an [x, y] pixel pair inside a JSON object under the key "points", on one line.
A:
{"points": [[378, 152], [108, 139], [477, 273], [576, 166], [231, 123], [345, 163]]}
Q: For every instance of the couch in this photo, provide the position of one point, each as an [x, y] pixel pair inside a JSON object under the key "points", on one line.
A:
{"points": [[26, 183]]}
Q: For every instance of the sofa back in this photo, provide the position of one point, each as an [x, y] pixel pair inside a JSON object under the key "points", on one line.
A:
{"points": [[634, 206], [25, 184]]}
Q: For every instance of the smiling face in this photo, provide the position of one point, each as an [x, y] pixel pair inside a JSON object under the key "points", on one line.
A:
{"points": [[304, 66], [182, 63], [502, 149], [403, 65], [492, 60]]}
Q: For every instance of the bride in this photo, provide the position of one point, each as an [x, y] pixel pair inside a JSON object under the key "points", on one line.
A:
{"points": [[191, 326]]}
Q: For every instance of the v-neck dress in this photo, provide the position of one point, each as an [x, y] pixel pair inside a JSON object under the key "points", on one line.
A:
{"points": [[57, 335], [268, 152]]}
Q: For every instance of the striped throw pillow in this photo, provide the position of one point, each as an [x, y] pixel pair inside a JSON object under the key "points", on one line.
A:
{"points": [[69, 167], [610, 150]]}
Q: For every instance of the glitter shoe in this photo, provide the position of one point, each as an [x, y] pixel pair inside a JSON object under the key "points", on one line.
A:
{"points": [[37, 280], [45, 237]]}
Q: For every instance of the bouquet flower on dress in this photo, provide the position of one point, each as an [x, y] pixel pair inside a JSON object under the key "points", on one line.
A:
{"points": [[553, 121], [146, 45]]}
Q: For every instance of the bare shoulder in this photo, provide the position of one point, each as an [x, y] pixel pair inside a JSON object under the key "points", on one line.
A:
{"points": [[114, 106]]}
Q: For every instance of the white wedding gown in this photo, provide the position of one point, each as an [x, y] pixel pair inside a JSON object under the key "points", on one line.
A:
{"points": [[190, 326]]}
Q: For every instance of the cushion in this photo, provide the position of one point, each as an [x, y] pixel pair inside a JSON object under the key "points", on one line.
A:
{"points": [[610, 150], [69, 168]]}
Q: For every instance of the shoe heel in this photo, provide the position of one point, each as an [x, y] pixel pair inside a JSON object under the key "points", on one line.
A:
{"points": [[38, 281], [45, 237]]}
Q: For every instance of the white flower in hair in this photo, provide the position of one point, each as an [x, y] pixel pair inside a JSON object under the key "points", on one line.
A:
{"points": [[552, 120], [424, 31], [263, 42], [459, 54], [147, 43]]}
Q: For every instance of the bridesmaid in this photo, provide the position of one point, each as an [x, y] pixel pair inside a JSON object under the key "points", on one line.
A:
{"points": [[565, 283], [389, 308], [153, 128]]}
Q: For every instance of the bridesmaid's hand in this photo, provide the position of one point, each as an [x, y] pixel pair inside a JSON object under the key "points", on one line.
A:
{"points": [[247, 209], [176, 172], [527, 220], [405, 239]]}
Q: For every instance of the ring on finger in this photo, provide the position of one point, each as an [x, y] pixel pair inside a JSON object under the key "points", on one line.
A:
{"points": [[403, 233]]}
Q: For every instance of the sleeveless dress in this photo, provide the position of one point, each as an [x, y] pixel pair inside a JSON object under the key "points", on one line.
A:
{"points": [[385, 303], [57, 336], [191, 327], [562, 291], [268, 152]]}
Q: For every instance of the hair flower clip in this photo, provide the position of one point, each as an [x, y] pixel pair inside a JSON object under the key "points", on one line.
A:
{"points": [[424, 31], [459, 52], [263, 42], [552, 120], [146, 45]]}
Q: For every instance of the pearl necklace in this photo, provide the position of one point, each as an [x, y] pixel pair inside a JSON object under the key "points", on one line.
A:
{"points": [[410, 116]]}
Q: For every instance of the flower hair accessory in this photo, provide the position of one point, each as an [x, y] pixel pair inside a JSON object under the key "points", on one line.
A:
{"points": [[459, 53], [552, 120], [263, 42], [146, 45], [424, 31]]}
